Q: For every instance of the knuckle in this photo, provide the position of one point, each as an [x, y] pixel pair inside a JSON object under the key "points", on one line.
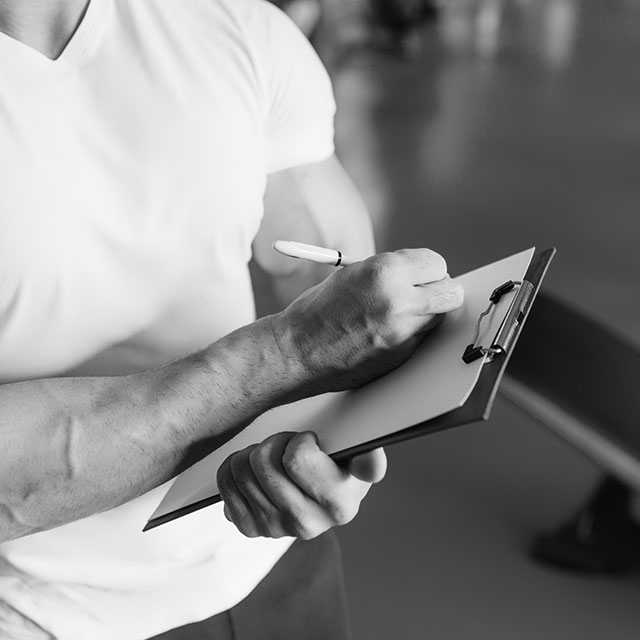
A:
{"points": [[385, 313], [238, 516], [246, 528], [428, 258], [225, 494], [260, 460], [387, 260], [278, 438], [384, 308], [222, 476], [238, 471], [304, 533], [243, 477], [309, 534], [227, 483], [343, 511], [298, 525], [383, 266], [296, 460], [268, 521]]}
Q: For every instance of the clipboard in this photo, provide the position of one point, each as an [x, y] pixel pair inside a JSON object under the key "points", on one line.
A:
{"points": [[480, 402], [489, 363]]}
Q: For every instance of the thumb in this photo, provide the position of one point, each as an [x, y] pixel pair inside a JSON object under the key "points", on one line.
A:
{"points": [[370, 466]]}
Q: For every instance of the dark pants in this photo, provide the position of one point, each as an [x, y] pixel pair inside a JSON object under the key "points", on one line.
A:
{"points": [[302, 597]]}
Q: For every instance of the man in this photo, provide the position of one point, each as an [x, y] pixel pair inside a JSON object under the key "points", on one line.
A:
{"points": [[144, 146]]}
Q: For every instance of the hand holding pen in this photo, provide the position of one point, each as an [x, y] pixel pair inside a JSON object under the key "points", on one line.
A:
{"points": [[367, 319]]}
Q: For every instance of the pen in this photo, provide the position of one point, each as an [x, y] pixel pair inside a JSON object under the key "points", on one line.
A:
{"points": [[312, 253]]}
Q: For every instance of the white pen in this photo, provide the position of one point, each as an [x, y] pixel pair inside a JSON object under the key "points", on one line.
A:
{"points": [[312, 253]]}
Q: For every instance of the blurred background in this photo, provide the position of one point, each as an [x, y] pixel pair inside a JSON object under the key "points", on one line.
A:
{"points": [[479, 128]]}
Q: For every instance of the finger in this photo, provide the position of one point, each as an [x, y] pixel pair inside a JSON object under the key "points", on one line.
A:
{"points": [[426, 265], [236, 509], [369, 467], [299, 514], [336, 491], [439, 297], [265, 514]]}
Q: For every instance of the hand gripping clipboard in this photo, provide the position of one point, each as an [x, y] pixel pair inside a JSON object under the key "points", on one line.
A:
{"points": [[337, 415]]}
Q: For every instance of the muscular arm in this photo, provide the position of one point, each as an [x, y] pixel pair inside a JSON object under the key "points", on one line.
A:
{"points": [[73, 447]]}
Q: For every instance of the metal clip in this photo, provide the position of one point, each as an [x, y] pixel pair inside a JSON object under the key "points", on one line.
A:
{"points": [[474, 352]]}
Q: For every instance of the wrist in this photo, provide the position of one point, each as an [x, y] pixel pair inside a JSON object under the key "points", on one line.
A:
{"points": [[295, 378], [258, 366], [304, 360], [206, 398]]}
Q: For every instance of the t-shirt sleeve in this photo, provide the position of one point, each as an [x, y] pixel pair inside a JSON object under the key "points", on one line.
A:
{"points": [[298, 98]]}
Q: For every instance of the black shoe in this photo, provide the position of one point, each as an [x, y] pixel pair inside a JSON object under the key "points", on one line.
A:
{"points": [[601, 538]]}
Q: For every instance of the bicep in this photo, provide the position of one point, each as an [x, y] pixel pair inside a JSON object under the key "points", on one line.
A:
{"points": [[315, 203]]}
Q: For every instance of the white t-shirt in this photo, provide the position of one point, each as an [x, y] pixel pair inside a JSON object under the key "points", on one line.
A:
{"points": [[132, 174]]}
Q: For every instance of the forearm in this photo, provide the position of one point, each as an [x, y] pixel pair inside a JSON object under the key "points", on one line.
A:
{"points": [[78, 446]]}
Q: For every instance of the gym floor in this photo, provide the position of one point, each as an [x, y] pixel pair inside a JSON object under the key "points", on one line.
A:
{"points": [[510, 124]]}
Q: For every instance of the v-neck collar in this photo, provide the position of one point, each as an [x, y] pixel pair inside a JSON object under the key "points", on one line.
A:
{"points": [[69, 55]]}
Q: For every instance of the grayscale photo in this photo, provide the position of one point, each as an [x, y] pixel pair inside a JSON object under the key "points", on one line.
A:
{"points": [[319, 320]]}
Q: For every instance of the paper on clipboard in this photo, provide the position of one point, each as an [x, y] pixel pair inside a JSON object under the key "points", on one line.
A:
{"points": [[432, 382]]}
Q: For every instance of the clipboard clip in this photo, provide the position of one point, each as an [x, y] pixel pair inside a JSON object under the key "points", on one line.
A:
{"points": [[507, 331]]}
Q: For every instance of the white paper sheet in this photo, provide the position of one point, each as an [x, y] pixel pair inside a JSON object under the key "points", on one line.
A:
{"points": [[434, 381]]}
